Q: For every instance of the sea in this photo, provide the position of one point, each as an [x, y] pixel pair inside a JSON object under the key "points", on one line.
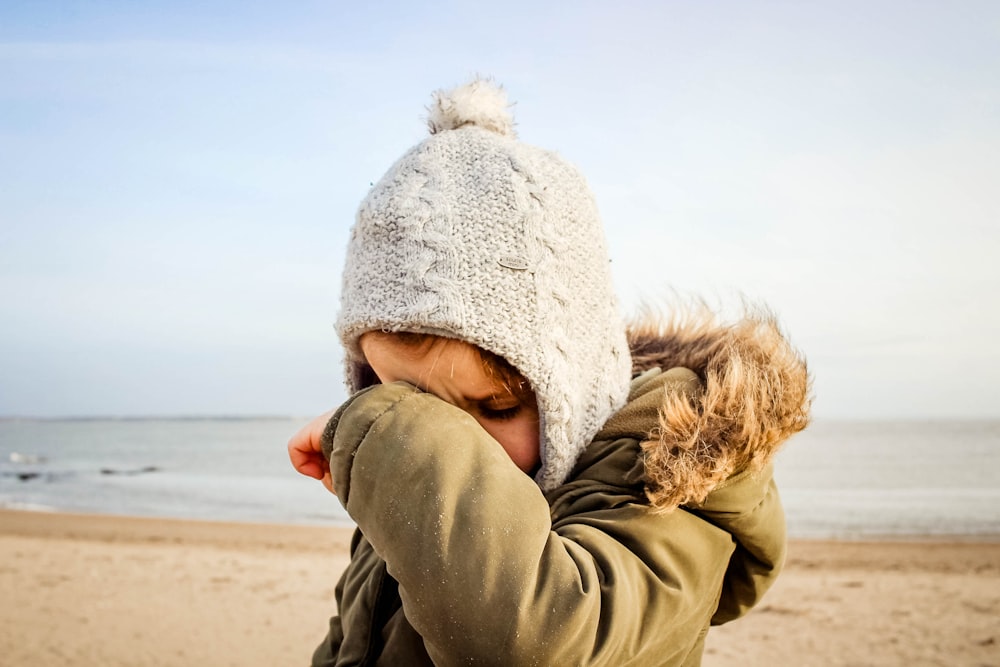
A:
{"points": [[838, 479]]}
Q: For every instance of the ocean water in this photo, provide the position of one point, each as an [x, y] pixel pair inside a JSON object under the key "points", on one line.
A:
{"points": [[895, 479], [220, 469], [845, 480]]}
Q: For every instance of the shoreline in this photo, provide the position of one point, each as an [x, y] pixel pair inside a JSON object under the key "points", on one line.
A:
{"points": [[122, 590], [68, 523], [129, 528]]}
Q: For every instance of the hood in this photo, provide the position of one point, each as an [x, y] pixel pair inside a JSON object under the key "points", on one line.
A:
{"points": [[753, 393], [477, 236]]}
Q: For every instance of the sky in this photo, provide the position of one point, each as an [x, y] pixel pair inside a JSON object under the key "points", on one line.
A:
{"points": [[178, 179]]}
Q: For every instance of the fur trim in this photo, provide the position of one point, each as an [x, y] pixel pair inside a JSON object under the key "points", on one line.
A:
{"points": [[480, 102], [757, 394]]}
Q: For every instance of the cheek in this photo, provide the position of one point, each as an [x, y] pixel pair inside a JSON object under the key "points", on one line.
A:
{"points": [[519, 438]]}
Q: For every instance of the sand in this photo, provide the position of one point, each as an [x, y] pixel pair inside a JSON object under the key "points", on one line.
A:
{"points": [[98, 590]]}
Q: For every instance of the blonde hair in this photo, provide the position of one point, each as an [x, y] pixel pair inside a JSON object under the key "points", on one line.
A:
{"points": [[495, 366]]}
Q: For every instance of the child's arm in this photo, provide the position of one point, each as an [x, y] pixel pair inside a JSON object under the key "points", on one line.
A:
{"points": [[483, 572]]}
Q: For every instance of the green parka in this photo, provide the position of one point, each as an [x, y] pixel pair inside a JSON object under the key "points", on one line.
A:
{"points": [[669, 522]]}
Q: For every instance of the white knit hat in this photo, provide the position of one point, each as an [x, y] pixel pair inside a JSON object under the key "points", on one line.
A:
{"points": [[476, 236]]}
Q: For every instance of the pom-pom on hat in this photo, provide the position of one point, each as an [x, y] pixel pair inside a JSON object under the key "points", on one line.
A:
{"points": [[480, 103], [476, 236]]}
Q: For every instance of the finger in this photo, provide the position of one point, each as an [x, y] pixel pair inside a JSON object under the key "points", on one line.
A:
{"points": [[311, 469], [328, 482], [305, 459], [305, 441]]}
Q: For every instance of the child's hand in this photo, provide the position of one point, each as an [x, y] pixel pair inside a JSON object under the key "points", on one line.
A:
{"points": [[306, 452]]}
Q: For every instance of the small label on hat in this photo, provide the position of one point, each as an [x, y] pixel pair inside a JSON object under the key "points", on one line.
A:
{"points": [[513, 262]]}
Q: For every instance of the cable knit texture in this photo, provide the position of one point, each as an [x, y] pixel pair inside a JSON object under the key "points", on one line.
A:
{"points": [[476, 236]]}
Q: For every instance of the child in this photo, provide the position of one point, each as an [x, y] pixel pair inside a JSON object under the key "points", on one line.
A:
{"points": [[532, 484]]}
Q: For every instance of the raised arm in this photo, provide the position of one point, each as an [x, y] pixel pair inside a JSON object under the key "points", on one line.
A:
{"points": [[484, 574]]}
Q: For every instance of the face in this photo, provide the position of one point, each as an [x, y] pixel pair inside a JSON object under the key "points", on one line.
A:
{"points": [[453, 371]]}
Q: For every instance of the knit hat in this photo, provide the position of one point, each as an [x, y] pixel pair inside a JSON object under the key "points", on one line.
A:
{"points": [[475, 236]]}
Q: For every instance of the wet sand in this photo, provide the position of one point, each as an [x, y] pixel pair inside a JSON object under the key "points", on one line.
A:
{"points": [[99, 590]]}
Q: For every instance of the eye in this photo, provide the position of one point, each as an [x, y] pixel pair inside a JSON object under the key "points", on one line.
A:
{"points": [[499, 415]]}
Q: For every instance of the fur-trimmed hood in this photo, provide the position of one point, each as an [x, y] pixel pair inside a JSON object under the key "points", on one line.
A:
{"points": [[755, 394]]}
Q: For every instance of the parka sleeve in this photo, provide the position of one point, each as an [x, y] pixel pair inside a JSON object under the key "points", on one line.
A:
{"points": [[483, 574]]}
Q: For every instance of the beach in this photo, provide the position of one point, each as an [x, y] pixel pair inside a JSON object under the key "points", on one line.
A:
{"points": [[109, 590]]}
